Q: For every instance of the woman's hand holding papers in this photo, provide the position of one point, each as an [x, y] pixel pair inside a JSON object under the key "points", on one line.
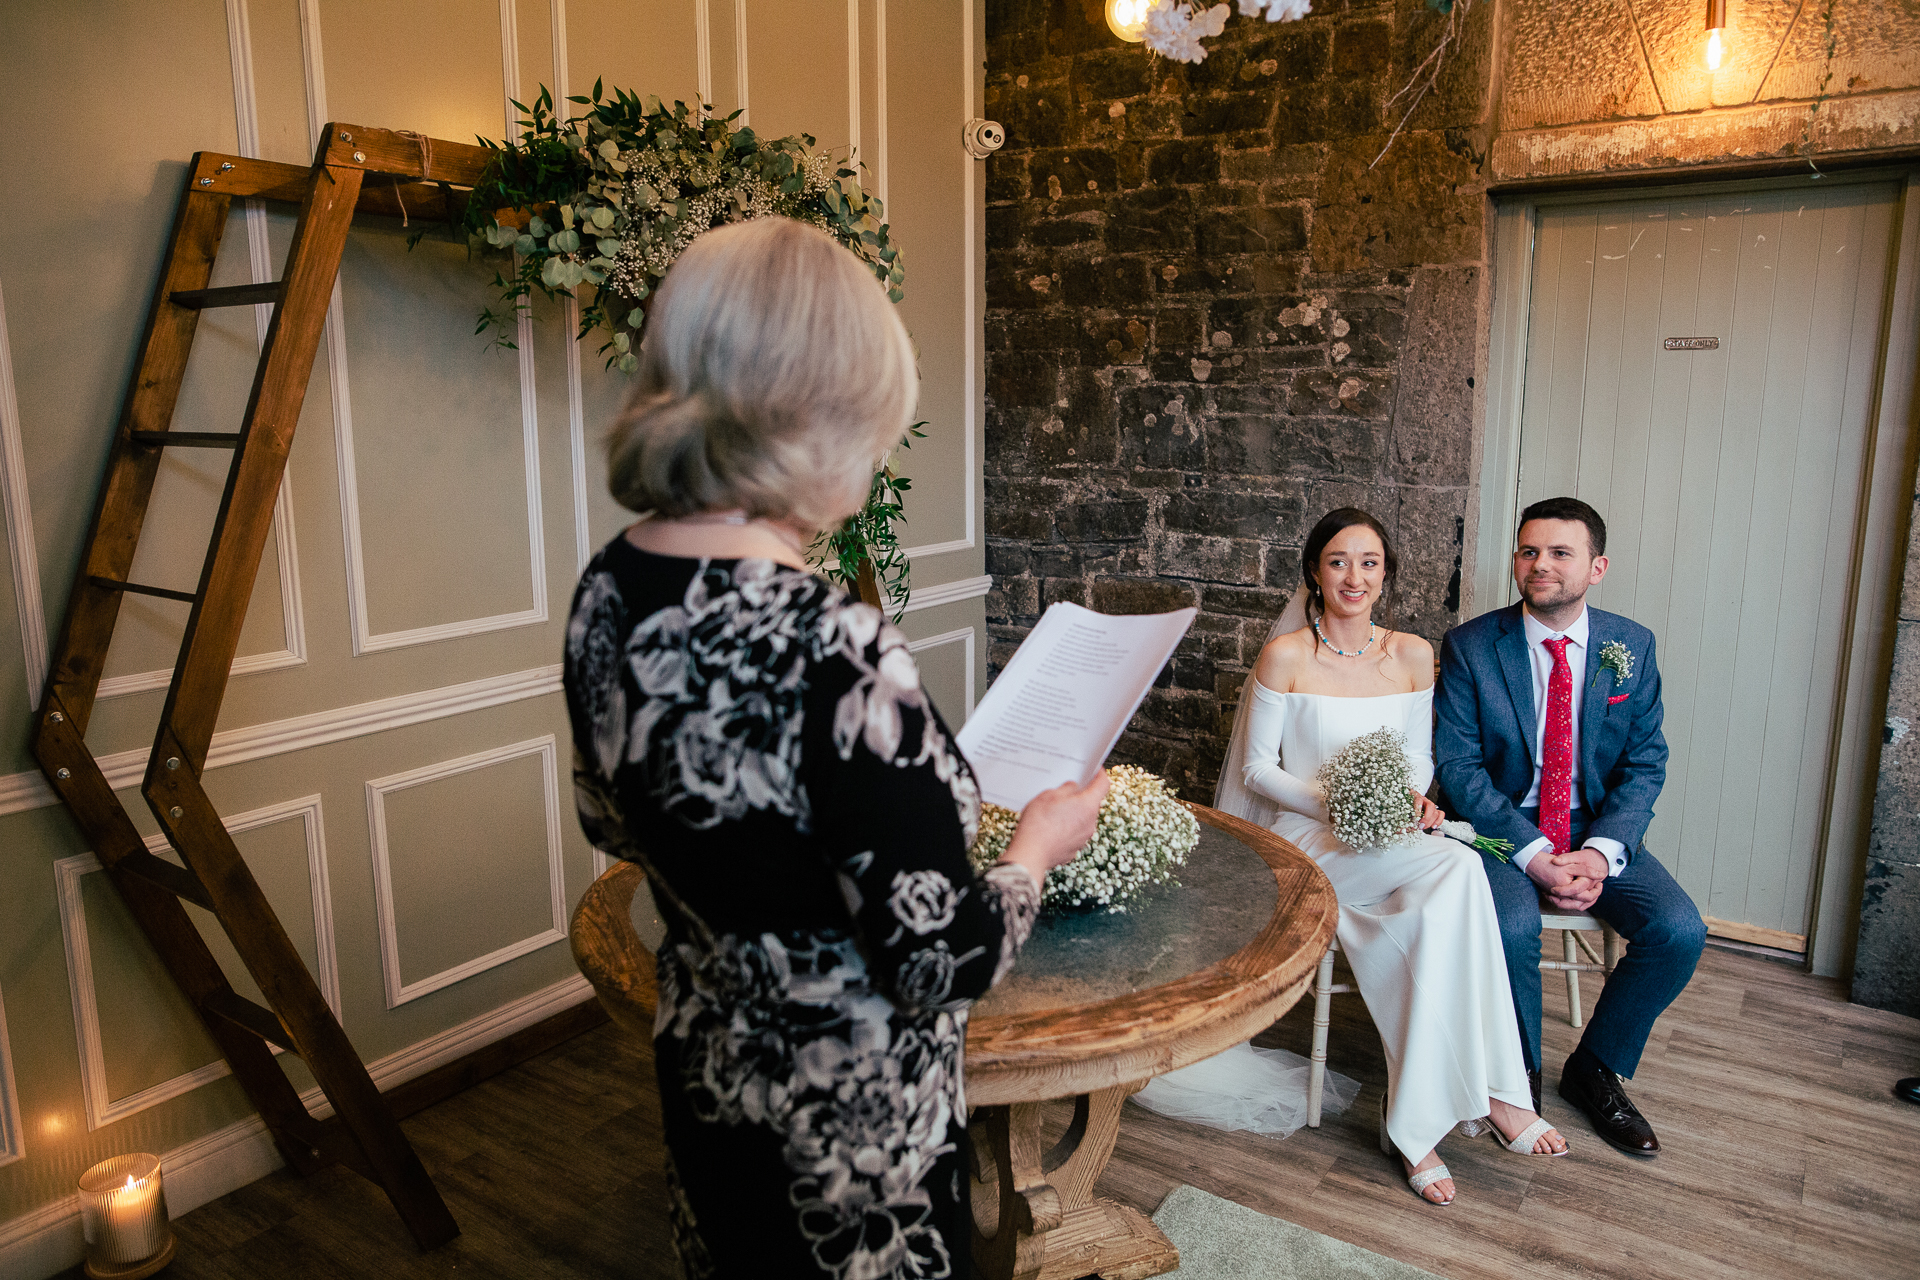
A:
{"points": [[1055, 826]]}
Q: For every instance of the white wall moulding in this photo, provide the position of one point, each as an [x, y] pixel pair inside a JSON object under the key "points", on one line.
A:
{"points": [[13, 1144], [103, 1109], [18, 510], [948, 593], [939, 548], [964, 637], [399, 991], [47, 1239], [22, 791]]}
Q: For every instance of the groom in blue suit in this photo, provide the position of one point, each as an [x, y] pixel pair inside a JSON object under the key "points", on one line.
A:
{"points": [[1549, 737]]}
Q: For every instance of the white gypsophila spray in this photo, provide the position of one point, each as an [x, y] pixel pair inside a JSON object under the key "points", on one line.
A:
{"points": [[1142, 838], [1367, 788]]}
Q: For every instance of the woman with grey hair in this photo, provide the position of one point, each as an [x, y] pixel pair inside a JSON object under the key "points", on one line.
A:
{"points": [[762, 746]]}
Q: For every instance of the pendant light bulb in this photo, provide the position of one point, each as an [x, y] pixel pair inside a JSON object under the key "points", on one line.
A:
{"points": [[1713, 49], [1128, 19], [1716, 23]]}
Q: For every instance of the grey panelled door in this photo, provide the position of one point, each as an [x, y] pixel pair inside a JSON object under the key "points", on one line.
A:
{"points": [[1731, 481]]}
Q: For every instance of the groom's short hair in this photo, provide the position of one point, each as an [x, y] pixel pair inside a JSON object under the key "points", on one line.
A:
{"points": [[1569, 509]]}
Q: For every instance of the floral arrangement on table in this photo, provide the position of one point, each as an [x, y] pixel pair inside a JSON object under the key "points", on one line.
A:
{"points": [[1368, 787], [1142, 839], [607, 200]]}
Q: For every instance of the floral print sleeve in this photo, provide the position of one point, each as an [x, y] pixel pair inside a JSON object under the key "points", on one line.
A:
{"points": [[895, 808]]}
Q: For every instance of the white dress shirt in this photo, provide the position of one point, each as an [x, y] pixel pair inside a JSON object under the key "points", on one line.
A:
{"points": [[1540, 662]]}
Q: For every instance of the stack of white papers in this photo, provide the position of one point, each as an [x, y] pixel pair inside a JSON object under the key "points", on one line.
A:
{"points": [[1064, 699]]}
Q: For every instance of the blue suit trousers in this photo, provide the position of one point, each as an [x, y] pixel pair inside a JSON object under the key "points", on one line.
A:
{"points": [[1648, 908]]}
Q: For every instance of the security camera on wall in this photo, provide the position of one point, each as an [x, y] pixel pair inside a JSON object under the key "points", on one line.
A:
{"points": [[983, 137]]}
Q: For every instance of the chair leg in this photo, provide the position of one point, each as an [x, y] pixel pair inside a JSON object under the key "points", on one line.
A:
{"points": [[1613, 946], [1573, 976], [1322, 1008]]}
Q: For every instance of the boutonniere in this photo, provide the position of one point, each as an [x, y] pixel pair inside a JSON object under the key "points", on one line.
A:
{"points": [[1617, 658]]}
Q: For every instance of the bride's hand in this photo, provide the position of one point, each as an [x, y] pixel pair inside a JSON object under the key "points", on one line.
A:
{"points": [[1428, 815]]}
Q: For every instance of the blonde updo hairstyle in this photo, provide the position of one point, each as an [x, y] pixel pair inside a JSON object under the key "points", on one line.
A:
{"points": [[773, 378]]}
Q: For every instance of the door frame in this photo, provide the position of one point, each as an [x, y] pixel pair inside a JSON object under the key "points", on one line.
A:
{"points": [[1880, 536]]}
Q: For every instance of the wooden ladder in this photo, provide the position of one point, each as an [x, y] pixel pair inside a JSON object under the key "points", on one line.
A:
{"points": [[355, 170]]}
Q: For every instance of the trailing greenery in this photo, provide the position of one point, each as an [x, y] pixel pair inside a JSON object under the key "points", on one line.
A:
{"points": [[608, 200]]}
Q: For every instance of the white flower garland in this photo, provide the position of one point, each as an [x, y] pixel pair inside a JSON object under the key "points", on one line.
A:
{"points": [[1142, 838], [1174, 30]]}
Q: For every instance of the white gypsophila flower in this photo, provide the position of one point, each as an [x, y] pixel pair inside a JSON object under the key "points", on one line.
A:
{"points": [[1175, 30], [1277, 10], [1367, 789], [1142, 838]]}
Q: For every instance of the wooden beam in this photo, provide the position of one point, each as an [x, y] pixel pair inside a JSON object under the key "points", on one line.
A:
{"points": [[1779, 939], [406, 155]]}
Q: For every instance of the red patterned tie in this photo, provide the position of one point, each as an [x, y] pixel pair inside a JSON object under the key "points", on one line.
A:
{"points": [[1556, 757]]}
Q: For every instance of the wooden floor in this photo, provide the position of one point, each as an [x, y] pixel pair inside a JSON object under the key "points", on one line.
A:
{"points": [[1786, 1155]]}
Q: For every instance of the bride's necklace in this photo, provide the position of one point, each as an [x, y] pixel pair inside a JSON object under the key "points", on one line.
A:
{"points": [[1373, 633], [739, 519]]}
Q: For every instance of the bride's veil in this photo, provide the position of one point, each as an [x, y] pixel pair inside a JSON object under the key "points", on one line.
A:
{"points": [[1230, 794], [1245, 1088]]}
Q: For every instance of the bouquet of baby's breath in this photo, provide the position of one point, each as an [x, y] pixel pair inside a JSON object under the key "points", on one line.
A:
{"points": [[1368, 793], [1142, 838]]}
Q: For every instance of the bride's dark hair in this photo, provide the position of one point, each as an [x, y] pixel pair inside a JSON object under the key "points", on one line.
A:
{"points": [[1329, 527]]}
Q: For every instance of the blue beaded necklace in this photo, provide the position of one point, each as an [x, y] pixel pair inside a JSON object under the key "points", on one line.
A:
{"points": [[1373, 633]]}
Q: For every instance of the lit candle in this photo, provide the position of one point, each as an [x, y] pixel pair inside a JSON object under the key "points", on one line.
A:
{"points": [[123, 1214]]}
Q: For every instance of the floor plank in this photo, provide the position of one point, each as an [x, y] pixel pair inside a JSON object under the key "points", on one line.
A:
{"points": [[1786, 1156]]}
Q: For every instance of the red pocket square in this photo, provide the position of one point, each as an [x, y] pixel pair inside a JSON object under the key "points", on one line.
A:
{"points": [[1618, 697]]}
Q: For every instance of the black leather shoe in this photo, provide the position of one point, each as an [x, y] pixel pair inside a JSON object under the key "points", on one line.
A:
{"points": [[1595, 1092], [1908, 1089], [1533, 1083]]}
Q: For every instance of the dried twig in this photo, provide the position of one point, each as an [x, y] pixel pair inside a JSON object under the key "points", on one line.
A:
{"points": [[1427, 74]]}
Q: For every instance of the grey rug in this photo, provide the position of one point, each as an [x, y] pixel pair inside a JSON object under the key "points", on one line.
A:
{"points": [[1221, 1240]]}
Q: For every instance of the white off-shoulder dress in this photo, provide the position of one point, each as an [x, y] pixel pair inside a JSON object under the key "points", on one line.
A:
{"points": [[1417, 921]]}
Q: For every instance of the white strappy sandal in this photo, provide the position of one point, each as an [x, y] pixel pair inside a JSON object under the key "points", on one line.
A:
{"points": [[1523, 1145], [1418, 1181]]}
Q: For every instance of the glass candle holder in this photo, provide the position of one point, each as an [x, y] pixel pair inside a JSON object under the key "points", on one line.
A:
{"points": [[123, 1214]]}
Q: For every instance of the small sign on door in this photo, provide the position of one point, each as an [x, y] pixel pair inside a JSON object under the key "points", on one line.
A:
{"points": [[1692, 344]]}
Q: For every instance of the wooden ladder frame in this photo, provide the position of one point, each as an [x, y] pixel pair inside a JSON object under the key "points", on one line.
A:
{"points": [[355, 169]]}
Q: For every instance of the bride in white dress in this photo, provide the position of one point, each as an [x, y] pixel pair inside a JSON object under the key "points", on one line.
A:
{"points": [[1417, 922]]}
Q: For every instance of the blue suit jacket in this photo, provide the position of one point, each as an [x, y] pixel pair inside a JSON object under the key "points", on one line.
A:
{"points": [[1483, 741]]}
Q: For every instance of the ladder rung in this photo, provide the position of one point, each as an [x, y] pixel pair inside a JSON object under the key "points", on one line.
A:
{"points": [[233, 295], [189, 439], [138, 588], [177, 880], [248, 1016]]}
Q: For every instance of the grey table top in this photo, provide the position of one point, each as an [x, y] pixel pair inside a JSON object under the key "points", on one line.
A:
{"points": [[1226, 895]]}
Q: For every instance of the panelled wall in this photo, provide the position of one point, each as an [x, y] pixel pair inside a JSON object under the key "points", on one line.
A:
{"points": [[393, 749]]}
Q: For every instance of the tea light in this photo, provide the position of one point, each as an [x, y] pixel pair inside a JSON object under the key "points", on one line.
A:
{"points": [[123, 1214]]}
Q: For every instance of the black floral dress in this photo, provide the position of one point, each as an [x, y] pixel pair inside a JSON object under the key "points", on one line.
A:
{"points": [[761, 745]]}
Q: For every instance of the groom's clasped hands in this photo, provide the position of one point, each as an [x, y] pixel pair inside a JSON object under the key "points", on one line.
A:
{"points": [[1570, 881]]}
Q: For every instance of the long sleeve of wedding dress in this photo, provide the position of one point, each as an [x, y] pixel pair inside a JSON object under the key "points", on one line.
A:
{"points": [[1263, 772], [1419, 731]]}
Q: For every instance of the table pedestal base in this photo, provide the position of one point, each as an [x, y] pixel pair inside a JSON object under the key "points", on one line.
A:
{"points": [[1035, 1216]]}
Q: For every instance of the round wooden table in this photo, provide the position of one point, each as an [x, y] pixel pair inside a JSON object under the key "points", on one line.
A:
{"points": [[1099, 1004], [1096, 1006]]}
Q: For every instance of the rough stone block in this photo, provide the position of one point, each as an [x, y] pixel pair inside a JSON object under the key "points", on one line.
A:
{"points": [[1217, 113], [1244, 602], [1433, 402], [1422, 205], [1361, 49], [1073, 172], [1186, 162], [1260, 229], [1210, 559], [1886, 966], [1007, 559], [1034, 117], [1057, 590], [1117, 520], [1142, 595], [1299, 447], [1158, 428], [1428, 531], [1348, 393], [1273, 517], [1155, 220], [1106, 283]]}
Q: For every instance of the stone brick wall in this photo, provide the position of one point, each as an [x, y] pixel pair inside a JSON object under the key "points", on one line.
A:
{"points": [[1209, 322]]}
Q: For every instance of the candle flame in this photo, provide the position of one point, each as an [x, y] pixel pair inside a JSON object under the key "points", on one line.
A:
{"points": [[132, 1183], [1713, 49]]}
